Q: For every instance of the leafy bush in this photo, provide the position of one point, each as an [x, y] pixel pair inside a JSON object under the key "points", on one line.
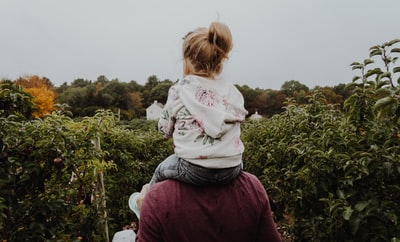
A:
{"points": [[332, 175], [136, 153], [52, 172], [14, 101], [40, 199], [297, 155]]}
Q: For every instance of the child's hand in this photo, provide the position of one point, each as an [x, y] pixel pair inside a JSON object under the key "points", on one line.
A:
{"points": [[141, 196]]}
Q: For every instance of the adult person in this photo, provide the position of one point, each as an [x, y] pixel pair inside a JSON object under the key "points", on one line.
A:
{"points": [[173, 211], [201, 193]]}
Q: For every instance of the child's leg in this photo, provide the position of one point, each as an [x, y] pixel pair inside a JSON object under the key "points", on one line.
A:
{"points": [[198, 175], [168, 169]]}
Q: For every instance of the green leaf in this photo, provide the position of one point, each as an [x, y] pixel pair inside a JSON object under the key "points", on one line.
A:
{"points": [[375, 52], [396, 69], [382, 84], [347, 213], [354, 225], [385, 101], [368, 61], [352, 84], [384, 75], [392, 42], [388, 167], [374, 71], [395, 50], [375, 47], [355, 78], [340, 194], [361, 205]]}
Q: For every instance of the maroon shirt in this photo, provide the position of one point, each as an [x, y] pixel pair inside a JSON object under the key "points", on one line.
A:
{"points": [[178, 212]]}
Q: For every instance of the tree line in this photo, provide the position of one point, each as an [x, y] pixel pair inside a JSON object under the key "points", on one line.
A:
{"points": [[130, 99]]}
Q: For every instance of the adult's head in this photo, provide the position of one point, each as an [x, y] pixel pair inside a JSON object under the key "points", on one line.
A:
{"points": [[205, 49]]}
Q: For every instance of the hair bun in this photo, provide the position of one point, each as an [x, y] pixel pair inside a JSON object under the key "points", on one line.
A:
{"points": [[220, 36], [212, 36]]}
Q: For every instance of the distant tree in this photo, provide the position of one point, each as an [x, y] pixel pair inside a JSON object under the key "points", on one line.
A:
{"points": [[113, 95], [135, 107], [43, 93], [250, 96], [103, 79], [300, 96], [160, 92], [79, 99], [34, 81], [260, 103], [342, 90], [43, 101], [331, 96], [134, 86], [152, 82], [289, 87], [81, 82], [62, 88], [85, 97], [269, 102]]}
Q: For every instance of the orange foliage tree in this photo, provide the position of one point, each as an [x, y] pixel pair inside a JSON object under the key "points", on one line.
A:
{"points": [[43, 93]]}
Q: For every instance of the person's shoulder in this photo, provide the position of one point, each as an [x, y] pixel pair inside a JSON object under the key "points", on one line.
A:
{"points": [[253, 186], [171, 184], [250, 182], [163, 188], [249, 177]]}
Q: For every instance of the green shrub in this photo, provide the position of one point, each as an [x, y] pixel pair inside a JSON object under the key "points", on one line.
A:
{"points": [[332, 175]]}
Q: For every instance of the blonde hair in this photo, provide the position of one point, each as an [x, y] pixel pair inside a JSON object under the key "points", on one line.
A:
{"points": [[205, 49]]}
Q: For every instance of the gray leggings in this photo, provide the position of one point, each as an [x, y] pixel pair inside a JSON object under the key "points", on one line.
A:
{"points": [[177, 168]]}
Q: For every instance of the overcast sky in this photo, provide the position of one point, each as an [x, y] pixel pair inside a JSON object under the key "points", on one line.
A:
{"points": [[311, 41]]}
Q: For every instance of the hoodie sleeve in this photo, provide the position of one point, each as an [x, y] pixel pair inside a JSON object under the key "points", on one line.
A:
{"points": [[167, 120]]}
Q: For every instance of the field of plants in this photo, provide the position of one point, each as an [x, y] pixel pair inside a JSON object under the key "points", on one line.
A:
{"points": [[332, 172]]}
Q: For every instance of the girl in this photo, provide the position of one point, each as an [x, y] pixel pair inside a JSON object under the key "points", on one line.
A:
{"points": [[203, 114]]}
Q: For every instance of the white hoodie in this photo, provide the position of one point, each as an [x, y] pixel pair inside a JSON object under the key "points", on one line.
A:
{"points": [[203, 116]]}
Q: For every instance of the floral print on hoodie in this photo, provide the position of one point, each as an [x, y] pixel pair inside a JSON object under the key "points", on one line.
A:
{"points": [[203, 117]]}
